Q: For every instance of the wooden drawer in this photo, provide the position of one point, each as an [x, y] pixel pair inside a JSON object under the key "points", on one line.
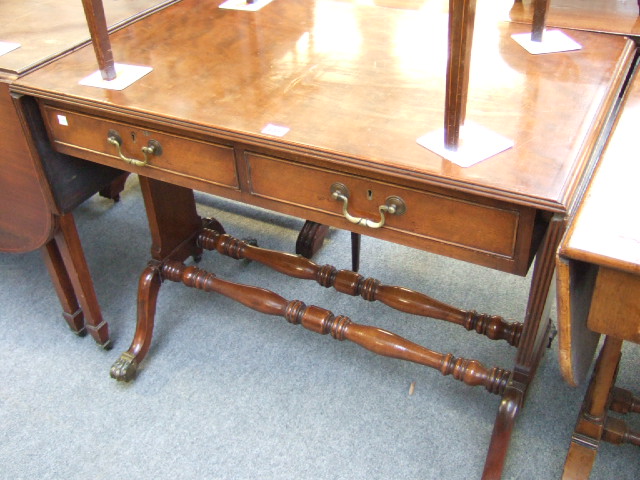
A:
{"points": [[621, 317], [86, 137], [486, 232]]}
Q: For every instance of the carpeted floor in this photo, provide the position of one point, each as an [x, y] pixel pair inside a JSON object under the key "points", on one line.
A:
{"points": [[227, 393]]}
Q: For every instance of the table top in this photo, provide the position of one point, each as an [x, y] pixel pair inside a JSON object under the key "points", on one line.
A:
{"points": [[359, 84], [606, 231], [46, 29]]}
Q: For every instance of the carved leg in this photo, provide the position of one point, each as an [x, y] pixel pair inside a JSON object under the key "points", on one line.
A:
{"points": [[115, 188], [68, 242], [535, 340], [174, 225], [125, 368], [71, 311], [500, 437], [591, 421], [535, 334], [352, 283], [310, 238]]}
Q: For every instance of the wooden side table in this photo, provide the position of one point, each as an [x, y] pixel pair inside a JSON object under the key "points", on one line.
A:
{"points": [[599, 292]]}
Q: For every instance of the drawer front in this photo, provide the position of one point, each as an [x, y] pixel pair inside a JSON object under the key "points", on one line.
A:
{"points": [[87, 137], [503, 232], [615, 308]]}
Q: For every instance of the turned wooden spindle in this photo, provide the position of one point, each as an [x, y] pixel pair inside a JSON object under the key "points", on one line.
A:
{"points": [[540, 10], [322, 321], [461, 21], [352, 283], [97, 23], [623, 401], [617, 431]]}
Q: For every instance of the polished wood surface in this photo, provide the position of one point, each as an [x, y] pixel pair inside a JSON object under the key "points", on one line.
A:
{"points": [[47, 29], [355, 86], [599, 292], [35, 207]]}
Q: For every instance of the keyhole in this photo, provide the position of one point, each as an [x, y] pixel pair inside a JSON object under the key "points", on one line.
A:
{"points": [[370, 194], [133, 137]]}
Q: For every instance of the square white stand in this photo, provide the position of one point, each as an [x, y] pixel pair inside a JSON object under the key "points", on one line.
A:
{"points": [[6, 47], [125, 76], [243, 5], [553, 41], [476, 143], [275, 130]]}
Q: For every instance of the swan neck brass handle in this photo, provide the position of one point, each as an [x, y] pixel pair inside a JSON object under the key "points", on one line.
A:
{"points": [[153, 148], [394, 205]]}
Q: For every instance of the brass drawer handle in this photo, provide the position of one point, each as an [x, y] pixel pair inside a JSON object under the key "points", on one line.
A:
{"points": [[393, 206], [152, 148]]}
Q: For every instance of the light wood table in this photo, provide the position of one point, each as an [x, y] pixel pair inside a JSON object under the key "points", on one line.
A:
{"points": [[354, 87], [599, 291]]}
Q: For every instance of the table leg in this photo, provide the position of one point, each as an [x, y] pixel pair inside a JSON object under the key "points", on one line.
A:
{"points": [[126, 366], [535, 339], [173, 220], [68, 242], [115, 188], [310, 238], [591, 421], [71, 311], [174, 224]]}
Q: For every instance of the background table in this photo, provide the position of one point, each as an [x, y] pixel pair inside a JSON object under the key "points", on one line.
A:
{"points": [[599, 292]]}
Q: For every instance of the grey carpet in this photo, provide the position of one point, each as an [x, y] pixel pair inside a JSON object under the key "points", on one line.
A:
{"points": [[227, 393]]}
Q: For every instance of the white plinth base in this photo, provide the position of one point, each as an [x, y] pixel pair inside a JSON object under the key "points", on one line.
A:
{"points": [[125, 76], [476, 144], [244, 5], [6, 47], [553, 41]]}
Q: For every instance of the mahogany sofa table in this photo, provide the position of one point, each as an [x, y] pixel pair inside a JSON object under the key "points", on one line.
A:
{"points": [[599, 292], [39, 189], [281, 109]]}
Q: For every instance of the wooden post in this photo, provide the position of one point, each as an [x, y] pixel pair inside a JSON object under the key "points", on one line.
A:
{"points": [[540, 9], [97, 23], [461, 21]]}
